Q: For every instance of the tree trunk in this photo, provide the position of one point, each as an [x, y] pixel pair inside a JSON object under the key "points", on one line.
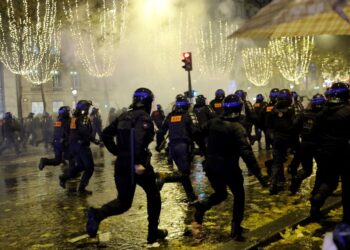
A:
{"points": [[2, 90], [43, 96], [19, 97]]}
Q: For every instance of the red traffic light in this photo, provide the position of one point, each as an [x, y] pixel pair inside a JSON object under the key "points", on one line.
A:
{"points": [[187, 59]]}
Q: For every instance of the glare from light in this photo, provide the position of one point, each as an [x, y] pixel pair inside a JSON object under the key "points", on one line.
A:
{"points": [[156, 7], [74, 92]]}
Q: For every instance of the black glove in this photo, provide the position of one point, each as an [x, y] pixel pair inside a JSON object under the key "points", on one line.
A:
{"points": [[158, 149], [263, 180]]}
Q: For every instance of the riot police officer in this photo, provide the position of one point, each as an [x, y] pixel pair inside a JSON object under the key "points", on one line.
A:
{"points": [[60, 139], [283, 125], [216, 104], [248, 116], [46, 130], [259, 107], [308, 141], [29, 130], [227, 142], [134, 131], [158, 116], [80, 136], [298, 106], [332, 127], [183, 127], [202, 111], [9, 129]]}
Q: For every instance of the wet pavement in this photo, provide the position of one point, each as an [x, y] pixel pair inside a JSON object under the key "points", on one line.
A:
{"points": [[35, 213]]}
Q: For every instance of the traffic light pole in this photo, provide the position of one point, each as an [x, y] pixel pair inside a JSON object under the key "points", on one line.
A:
{"points": [[190, 85]]}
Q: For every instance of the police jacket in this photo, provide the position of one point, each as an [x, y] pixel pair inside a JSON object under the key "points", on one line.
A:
{"points": [[133, 130], [332, 128], [217, 106], [227, 141], [307, 125], [264, 116], [259, 108], [283, 121], [182, 126], [158, 117], [203, 113], [61, 129], [81, 130]]}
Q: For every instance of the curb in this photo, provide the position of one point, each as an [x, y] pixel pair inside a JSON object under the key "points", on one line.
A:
{"points": [[269, 233]]}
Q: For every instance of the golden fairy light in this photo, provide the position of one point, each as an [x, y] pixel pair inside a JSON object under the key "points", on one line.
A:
{"points": [[258, 65], [97, 37], [25, 38], [334, 67], [292, 56], [48, 67], [216, 52]]}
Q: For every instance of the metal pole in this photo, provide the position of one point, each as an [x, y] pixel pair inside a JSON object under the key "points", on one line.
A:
{"points": [[189, 86]]}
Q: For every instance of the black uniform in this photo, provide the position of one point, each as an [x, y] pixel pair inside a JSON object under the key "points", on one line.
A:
{"points": [[227, 141], [203, 113], [259, 107], [96, 123], [137, 127], [80, 136], [158, 117], [332, 127], [216, 105], [183, 127], [60, 143], [283, 128]]}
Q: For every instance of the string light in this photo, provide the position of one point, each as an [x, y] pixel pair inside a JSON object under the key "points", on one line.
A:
{"points": [[334, 67], [292, 56], [44, 71], [24, 39], [216, 52], [97, 53], [258, 65]]}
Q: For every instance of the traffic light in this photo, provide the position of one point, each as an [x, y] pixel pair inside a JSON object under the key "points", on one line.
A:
{"points": [[187, 60]]}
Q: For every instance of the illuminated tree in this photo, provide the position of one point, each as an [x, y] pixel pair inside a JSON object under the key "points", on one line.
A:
{"points": [[292, 56], [258, 65], [97, 36]]}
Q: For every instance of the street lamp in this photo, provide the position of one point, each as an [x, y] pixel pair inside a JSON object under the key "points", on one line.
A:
{"points": [[75, 95]]}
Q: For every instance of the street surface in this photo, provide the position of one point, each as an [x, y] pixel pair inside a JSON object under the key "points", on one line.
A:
{"points": [[36, 213]]}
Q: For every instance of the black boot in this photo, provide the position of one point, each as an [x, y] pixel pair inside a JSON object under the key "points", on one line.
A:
{"points": [[154, 235], [237, 232], [41, 165], [83, 191], [92, 223], [200, 211], [62, 181], [295, 185]]}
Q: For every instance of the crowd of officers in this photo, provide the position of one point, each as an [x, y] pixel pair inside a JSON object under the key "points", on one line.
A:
{"points": [[222, 132]]}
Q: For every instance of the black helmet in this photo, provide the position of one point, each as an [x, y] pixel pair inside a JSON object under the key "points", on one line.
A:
{"points": [[219, 94], [8, 116], [200, 100], [259, 98], [241, 94], [182, 102], [94, 111], [339, 93], [159, 107], [30, 115], [285, 95], [64, 112], [143, 98], [232, 104], [274, 94], [82, 107], [318, 101]]}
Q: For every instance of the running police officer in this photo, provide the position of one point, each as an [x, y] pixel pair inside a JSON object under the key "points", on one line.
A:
{"points": [[134, 131], [308, 141], [216, 104], [227, 141], [203, 111], [9, 129], [158, 116], [80, 136], [332, 127], [60, 139], [183, 127], [283, 127], [259, 107]]}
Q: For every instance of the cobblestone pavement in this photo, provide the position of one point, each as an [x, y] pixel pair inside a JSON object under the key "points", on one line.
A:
{"points": [[35, 213]]}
